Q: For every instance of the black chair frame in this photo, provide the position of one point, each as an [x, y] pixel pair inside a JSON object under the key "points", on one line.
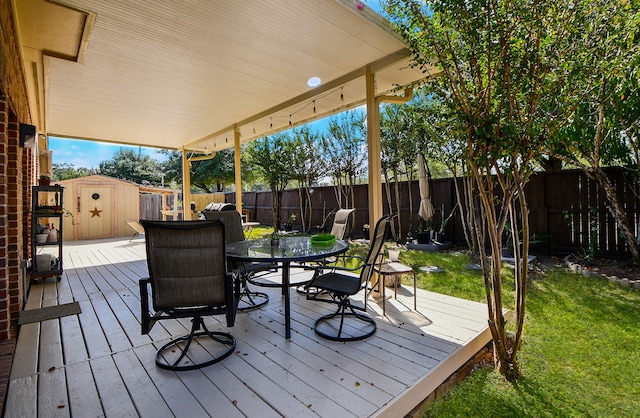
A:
{"points": [[198, 328], [340, 287]]}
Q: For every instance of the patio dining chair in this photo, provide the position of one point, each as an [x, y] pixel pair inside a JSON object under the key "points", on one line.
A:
{"points": [[135, 227], [349, 322], [342, 223], [234, 232], [188, 279]]}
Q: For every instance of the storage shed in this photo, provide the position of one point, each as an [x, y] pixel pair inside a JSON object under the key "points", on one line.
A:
{"points": [[97, 206]]}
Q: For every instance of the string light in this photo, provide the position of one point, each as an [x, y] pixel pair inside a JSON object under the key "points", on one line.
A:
{"points": [[312, 103]]}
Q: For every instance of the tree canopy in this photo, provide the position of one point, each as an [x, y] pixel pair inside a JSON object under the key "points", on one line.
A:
{"points": [[129, 165], [504, 78]]}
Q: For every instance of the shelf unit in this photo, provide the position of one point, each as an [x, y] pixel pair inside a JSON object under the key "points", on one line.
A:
{"points": [[46, 209]]}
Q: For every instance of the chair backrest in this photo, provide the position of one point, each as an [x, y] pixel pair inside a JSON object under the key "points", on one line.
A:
{"points": [[340, 226], [187, 264], [374, 256], [232, 224]]}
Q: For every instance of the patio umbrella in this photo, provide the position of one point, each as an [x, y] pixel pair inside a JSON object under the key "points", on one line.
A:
{"points": [[426, 207]]}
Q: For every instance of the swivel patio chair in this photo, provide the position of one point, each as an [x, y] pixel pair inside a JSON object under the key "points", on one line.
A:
{"points": [[189, 279], [234, 233], [340, 286]]}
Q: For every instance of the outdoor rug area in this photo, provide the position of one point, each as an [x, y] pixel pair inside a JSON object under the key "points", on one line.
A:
{"points": [[50, 312]]}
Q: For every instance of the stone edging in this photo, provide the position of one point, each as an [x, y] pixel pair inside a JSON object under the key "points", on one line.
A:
{"points": [[624, 282]]}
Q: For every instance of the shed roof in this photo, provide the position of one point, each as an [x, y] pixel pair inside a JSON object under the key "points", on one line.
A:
{"points": [[99, 178]]}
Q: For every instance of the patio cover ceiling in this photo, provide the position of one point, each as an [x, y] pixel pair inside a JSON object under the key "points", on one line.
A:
{"points": [[184, 73]]}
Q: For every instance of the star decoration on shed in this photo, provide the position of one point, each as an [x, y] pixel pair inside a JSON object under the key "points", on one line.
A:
{"points": [[95, 212]]}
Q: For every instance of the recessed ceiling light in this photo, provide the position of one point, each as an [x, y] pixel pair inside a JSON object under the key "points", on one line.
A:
{"points": [[314, 82]]}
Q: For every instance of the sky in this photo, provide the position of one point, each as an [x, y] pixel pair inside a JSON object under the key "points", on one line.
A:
{"points": [[89, 154]]}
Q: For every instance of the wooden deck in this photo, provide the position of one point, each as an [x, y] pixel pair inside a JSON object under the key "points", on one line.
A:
{"points": [[98, 364]]}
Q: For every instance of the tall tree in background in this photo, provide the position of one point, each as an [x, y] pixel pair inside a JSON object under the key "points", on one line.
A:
{"points": [[604, 130], [502, 68], [399, 156], [215, 174], [392, 133], [344, 147], [271, 158], [129, 165], [208, 176], [66, 171], [307, 168], [442, 138]]}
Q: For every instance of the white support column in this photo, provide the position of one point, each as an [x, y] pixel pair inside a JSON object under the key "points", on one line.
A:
{"points": [[373, 147], [238, 168], [186, 186]]}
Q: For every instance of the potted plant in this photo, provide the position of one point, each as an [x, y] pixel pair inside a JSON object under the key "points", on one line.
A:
{"points": [[288, 226], [45, 180], [275, 239], [424, 231]]}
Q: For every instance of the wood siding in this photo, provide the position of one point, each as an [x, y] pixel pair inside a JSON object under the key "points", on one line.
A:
{"points": [[118, 200]]}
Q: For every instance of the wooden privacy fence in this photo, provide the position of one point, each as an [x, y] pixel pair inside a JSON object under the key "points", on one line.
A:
{"points": [[568, 211], [151, 203]]}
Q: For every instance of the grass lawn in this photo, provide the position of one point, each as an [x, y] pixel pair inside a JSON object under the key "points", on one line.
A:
{"points": [[581, 351]]}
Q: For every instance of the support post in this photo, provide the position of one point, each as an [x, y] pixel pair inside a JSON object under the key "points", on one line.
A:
{"points": [[186, 186], [238, 168], [373, 147]]}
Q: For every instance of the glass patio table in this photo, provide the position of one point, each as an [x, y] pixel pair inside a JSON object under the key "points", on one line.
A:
{"points": [[288, 249]]}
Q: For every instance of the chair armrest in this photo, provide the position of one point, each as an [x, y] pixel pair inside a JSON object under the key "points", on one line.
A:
{"points": [[336, 267]]}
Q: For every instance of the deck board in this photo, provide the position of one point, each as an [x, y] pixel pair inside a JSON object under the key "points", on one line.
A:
{"points": [[97, 363]]}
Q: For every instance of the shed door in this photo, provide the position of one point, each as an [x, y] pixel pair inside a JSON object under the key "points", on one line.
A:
{"points": [[96, 207]]}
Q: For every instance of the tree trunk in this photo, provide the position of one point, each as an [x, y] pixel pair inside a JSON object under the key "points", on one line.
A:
{"points": [[616, 210], [490, 219], [301, 198], [398, 223]]}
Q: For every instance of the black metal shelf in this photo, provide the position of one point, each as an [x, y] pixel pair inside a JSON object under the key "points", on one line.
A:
{"points": [[48, 206]]}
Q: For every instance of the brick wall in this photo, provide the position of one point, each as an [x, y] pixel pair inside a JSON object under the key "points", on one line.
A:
{"points": [[12, 82], [12, 221], [4, 220], [17, 173]]}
